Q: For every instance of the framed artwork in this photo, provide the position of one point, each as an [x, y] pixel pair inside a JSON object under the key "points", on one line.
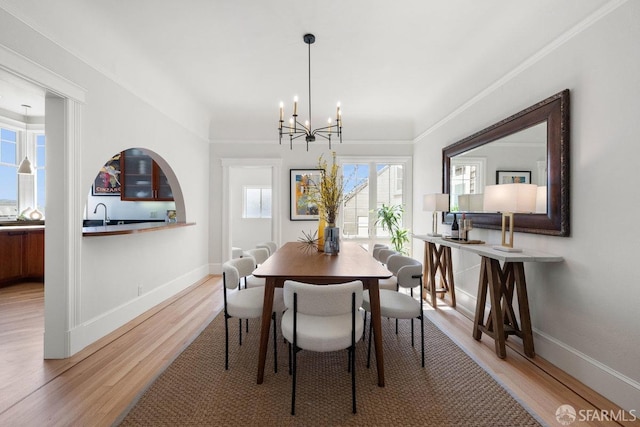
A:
{"points": [[301, 184], [107, 182], [511, 177]]}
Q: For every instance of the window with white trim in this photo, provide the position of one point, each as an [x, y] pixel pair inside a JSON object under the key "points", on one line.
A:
{"points": [[256, 202], [466, 178], [21, 192]]}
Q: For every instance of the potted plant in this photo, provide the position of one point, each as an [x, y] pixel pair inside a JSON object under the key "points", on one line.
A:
{"points": [[390, 217]]}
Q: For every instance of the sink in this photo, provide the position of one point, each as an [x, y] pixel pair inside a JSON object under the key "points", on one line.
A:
{"points": [[92, 223]]}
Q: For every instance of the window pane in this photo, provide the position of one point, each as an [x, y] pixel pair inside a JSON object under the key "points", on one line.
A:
{"points": [[266, 203], [464, 179], [356, 197], [252, 203], [8, 190], [8, 152], [8, 135], [389, 190], [40, 189], [40, 151]]}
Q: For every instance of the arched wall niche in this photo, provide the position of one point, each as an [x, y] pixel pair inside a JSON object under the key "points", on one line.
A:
{"points": [[100, 190]]}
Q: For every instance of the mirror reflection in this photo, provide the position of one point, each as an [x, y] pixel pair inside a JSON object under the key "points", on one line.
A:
{"points": [[518, 157], [531, 146]]}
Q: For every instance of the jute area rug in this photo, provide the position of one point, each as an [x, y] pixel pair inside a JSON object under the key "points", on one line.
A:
{"points": [[452, 390]]}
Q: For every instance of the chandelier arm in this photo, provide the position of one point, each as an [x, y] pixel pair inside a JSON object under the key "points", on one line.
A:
{"points": [[297, 130], [328, 129]]}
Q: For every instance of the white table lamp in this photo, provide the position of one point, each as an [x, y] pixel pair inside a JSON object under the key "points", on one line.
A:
{"points": [[541, 199], [435, 203], [509, 199]]}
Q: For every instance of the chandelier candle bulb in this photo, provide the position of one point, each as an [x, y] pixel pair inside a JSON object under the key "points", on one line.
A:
{"points": [[281, 112], [295, 105]]}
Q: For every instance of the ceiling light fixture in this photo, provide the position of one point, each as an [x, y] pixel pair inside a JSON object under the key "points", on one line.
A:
{"points": [[296, 129], [25, 167]]}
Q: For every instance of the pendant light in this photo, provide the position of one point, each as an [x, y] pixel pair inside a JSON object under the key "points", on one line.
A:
{"points": [[25, 167], [296, 129]]}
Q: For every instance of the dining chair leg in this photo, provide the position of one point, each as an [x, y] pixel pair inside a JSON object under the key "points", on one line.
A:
{"points": [[364, 326], [370, 339], [293, 389], [353, 378], [226, 342], [422, 331], [295, 353], [352, 351], [240, 331], [412, 332], [275, 344]]}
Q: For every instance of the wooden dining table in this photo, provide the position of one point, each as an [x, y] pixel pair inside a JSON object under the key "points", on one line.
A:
{"points": [[301, 262]]}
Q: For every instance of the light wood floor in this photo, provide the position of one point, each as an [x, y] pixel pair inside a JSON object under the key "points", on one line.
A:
{"points": [[95, 386]]}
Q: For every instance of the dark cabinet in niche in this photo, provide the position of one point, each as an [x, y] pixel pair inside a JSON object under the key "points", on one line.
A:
{"points": [[142, 179]]}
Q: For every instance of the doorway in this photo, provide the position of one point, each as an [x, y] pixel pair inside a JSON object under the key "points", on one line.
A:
{"points": [[245, 183]]}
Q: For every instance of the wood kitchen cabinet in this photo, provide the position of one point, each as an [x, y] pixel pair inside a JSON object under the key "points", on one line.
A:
{"points": [[142, 179], [11, 244], [34, 254], [21, 255]]}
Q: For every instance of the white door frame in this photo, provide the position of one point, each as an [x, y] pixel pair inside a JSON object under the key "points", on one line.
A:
{"points": [[63, 231], [276, 166]]}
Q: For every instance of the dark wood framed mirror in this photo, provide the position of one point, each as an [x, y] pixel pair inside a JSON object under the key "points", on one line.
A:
{"points": [[542, 132]]}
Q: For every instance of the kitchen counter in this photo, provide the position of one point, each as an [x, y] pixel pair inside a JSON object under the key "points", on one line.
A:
{"points": [[6, 226], [113, 230]]}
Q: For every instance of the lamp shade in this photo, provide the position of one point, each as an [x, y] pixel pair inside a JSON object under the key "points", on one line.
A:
{"points": [[435, 202], [25, 167], [541, 199], [512, 198]]}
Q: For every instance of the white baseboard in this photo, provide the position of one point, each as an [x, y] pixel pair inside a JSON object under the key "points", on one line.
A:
{"points": [[215, 269], [92, 330], [620, 389]]}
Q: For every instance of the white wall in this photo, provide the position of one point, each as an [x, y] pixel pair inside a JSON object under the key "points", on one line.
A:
{"points": [[100, 283], [584, 310]]}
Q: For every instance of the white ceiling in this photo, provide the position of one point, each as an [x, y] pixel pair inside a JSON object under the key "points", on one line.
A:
{"points": [[397, 67]]}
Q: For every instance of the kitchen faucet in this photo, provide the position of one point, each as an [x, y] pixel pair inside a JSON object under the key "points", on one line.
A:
{"points": [[106, 218]]}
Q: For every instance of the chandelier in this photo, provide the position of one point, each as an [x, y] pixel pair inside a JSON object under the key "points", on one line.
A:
{"points": [[295, 129]]}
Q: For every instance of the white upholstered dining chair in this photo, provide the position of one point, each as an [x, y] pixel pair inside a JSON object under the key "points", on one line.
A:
{"points": [[399, 305], [259, 256], [322, 318], [272, 247], [245, 303]]}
